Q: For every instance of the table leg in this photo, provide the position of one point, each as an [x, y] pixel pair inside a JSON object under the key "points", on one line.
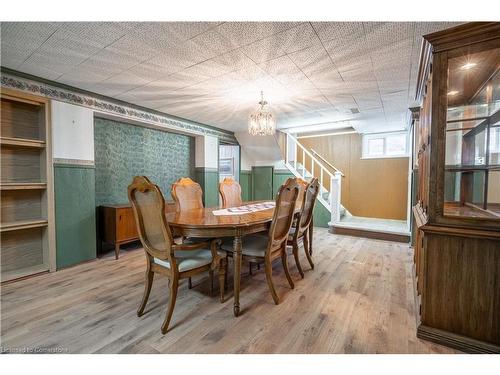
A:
{"points": [[117, 250], [237, 273]]}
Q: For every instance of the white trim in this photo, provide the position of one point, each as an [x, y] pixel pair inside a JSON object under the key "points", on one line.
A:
{"points": [[384, 157]]}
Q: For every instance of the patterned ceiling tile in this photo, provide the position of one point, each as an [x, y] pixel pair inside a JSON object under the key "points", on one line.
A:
{"points": [[187, 30], [20, 39], [233, 61], [85, 78], [387, 33], [327, 79], [243, 33], [194, 74], [157, 88], [62, 42], [167, 33], [284, 70], [345, 56], [150, 72], [59, 62], [288, 41], [132, 45], [213, 43], [120, 83], [103, 33], [214, 72], [39, 70], [113, 60], [340, 31]]}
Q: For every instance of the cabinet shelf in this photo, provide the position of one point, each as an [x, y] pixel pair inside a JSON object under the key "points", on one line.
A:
{"points": [[28, 271], [23, 224], [22, 142], [23, 186], [465, 168]]}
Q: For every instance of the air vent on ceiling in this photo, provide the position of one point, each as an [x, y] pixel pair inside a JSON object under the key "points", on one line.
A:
{"points": [[354, 111]]}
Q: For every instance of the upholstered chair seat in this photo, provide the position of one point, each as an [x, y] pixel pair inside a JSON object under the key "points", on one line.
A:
{"points": [[254, 246], [189, 260]]}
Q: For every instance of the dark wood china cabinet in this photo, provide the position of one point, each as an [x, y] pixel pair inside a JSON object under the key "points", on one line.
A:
{"points": [[457, 214]]}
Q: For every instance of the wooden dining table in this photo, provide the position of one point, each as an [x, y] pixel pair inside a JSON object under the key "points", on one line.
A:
{"points": [[202, 223]]}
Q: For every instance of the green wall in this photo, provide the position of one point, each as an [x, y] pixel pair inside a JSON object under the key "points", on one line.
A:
{"points": [[123, 151], [321, 214], [75, 213], [208, 178], [279, 178], [246, 185]]}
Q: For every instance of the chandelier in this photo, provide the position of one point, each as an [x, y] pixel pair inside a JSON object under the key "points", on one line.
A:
{"points": [[262, 121]]}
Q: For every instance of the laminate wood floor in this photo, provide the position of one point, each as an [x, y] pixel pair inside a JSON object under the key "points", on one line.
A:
{"points": [[358, 299]]}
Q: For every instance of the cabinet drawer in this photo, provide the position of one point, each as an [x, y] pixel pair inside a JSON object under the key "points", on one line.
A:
{"points": [[125, 225]]}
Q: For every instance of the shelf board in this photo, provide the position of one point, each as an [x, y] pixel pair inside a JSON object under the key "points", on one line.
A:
{"points": [[22, 224], [23, 272], [23, 186], [465, 168], [22, 142]]}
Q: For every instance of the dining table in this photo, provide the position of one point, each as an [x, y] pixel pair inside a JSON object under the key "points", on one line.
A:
{"points": [[203, 223]]}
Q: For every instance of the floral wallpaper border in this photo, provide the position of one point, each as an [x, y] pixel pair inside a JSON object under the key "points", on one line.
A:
{"points": [[107, 106]]}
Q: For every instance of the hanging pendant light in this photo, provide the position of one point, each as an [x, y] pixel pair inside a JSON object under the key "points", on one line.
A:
{"points": [[262, 121]]}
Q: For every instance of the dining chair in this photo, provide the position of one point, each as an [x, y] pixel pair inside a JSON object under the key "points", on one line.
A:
{"points": [[301, 230], [230, 192], [164, 256], [187, 194], [266, 249]]}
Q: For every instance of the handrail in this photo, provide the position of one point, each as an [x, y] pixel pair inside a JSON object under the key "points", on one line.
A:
{"points": [[333, 199], [327, 162], [305, 151]]}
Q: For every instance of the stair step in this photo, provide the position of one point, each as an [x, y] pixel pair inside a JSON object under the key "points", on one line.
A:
{"points": [[369, 233]]}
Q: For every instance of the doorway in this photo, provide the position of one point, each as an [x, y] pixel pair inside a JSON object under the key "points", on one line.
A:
{"points": [[229, 163]]}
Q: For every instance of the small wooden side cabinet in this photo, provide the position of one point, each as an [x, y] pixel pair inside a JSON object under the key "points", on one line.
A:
{"points": [[117, 224]]}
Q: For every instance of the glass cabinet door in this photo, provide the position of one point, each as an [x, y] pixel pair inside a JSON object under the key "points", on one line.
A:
{"points": [[472, 156]]}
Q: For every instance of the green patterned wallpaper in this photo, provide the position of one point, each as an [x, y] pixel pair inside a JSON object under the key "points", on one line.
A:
{"points": [[123, 151]]}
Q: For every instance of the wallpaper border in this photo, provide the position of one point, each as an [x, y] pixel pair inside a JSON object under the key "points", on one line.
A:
{"points": [[106, 105]]}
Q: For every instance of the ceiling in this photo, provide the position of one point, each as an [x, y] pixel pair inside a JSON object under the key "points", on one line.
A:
{"points": [[311, 73]]}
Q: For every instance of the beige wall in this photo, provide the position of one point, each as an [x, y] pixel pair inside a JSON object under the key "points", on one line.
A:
{"points": [[371, 187], [494, 187]]}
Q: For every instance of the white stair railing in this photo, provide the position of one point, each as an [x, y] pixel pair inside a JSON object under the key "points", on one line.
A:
{"points": [[329, 198], [335, 190]]}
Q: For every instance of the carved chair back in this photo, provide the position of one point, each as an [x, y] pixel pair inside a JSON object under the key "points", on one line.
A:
{"points": [[302, 191], [148, 205], [187, 194], [306, 214], [284, 212], [230, 192]]}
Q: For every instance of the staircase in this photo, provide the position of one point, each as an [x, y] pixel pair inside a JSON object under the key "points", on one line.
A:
{"points": [[307, 164]]}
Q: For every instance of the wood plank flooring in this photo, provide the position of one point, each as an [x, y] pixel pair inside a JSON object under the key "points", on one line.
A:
{"points": [[358, 299]]}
